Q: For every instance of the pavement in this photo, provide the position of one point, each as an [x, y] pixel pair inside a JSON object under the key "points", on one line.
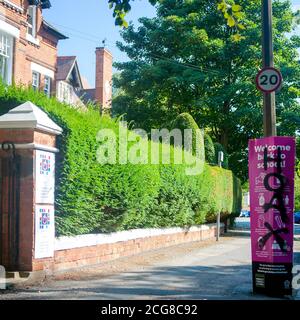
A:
{"points": [[210, 271]]}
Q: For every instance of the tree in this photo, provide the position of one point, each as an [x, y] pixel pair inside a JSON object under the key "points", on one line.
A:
{"points": [[298, 157], [187, 60], [232, 12]]}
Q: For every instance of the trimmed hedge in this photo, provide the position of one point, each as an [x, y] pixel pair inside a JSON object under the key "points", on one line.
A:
{"points": [[209, 149], [186, 121], [91, 197]]}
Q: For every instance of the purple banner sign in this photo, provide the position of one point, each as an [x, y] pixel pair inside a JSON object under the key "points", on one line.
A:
{"points": [[272, 173]]}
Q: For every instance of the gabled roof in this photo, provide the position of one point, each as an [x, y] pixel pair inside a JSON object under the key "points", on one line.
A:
{"points": [[66, 67]]}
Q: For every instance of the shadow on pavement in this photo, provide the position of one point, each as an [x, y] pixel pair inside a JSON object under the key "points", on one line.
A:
{"points": [[184, 282]]}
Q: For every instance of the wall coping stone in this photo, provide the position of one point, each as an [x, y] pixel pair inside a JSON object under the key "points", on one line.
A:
{"points": [[88, 240], [29, 116]]}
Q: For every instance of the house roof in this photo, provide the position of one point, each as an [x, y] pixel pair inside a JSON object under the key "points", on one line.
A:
{"points": [[66, 66], [54, 31], [88, 95], [46, 4]]}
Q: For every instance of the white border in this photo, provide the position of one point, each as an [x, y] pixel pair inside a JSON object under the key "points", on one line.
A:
{"points": [[33, 40], [34, 146], [9, 29], [88, 240], [42, 70]]}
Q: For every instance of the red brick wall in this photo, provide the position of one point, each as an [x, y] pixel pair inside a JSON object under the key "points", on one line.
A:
{"points": [[86, 256], [26, 214]]}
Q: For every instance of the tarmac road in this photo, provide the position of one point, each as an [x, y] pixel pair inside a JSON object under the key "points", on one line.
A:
{"points": [[207, 270]]}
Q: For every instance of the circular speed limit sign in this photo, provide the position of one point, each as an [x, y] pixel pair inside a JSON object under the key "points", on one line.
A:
{"points": [[269, 80]]}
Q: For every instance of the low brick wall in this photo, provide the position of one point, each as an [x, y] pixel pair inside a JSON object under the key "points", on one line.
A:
{"points": [[73, 252]]}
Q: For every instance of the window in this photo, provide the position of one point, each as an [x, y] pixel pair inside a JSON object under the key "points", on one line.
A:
{"points": [[31, 28], [65, 92], [6, 43], [47, 86], [35, 80]]}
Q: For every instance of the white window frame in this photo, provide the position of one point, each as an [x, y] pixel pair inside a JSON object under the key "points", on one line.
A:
{"points": [[47, 86], [36, 86], [42, 70], [32, 10], [9, 29], [60, 91], [6, 53], [65, 92]]}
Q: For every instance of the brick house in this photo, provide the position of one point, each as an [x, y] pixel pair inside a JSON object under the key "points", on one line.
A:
{"points": [[28, 44], [70, 87], [28, 56], [68, 81]]}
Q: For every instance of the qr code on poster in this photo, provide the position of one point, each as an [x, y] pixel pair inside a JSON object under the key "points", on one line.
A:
{"points": [[44, 219], [45, 165]]}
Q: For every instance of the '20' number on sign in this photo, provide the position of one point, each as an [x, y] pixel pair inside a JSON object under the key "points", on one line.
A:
{"points": [[273, 79], [269, 80]]}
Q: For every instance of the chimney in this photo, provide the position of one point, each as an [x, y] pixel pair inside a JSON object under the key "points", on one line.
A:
{"points": [[104, 73]]}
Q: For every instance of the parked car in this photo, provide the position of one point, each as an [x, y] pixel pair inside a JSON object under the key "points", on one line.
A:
{"points": [[245, 214], [297, 217]]}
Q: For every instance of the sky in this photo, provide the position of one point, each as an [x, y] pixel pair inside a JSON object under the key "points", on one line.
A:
{"points": [[88, 23]]}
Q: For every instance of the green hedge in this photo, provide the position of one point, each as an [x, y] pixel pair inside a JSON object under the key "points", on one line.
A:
{"points": [[186, 121], [210, 153], [102, 198]]}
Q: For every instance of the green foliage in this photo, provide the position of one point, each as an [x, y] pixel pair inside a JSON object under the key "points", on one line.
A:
{"points": [[185, 121], [210, 153], [121, 8], [215, 188], [91, 197], [298, 156], [232, 13], [187, 200], [218, 148], [206, 73]]}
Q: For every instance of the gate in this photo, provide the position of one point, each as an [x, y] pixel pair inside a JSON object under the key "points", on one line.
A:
{"points": [[9, 207]]}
